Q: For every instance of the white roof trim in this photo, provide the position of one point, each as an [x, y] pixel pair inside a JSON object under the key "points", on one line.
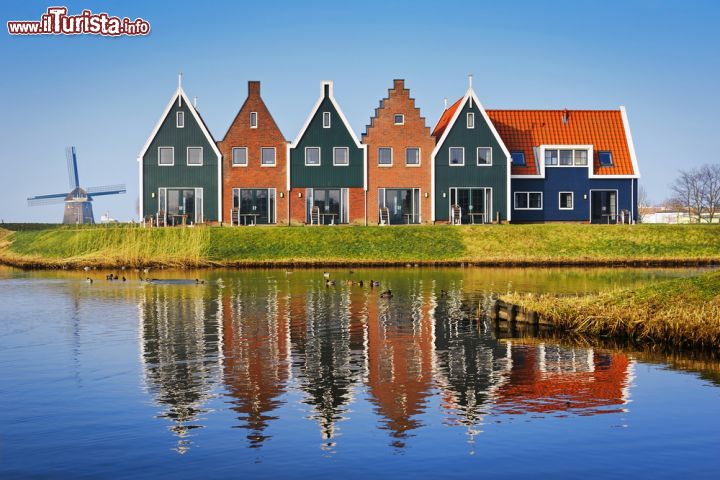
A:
{"points": [[180, 95], [631, 143], [337, 108], [540, 162]]}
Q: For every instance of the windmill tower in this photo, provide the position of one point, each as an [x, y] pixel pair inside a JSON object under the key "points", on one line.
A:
{"points": [[78, 206]]}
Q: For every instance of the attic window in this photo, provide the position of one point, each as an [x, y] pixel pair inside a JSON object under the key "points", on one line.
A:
{"points": [[253, 119], [399, 119], [605, 159], [470, 120], [180, 120], [326, 119], [518, 159]]}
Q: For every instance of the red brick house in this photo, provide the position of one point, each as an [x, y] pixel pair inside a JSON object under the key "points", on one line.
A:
{"points": [[254, 154], [399, 161]]}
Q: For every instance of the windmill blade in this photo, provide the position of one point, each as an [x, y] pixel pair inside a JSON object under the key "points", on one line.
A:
{"points": [[107, 190], [47, 199], [72, 167]]}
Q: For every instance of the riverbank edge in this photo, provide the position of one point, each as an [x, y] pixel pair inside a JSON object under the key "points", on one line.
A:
{"points": [[679, 313]]}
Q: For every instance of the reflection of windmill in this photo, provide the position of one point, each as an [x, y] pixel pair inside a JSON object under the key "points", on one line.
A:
{"points": [[78, 208]]}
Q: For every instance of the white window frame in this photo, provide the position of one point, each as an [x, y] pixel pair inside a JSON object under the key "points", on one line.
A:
{"points": [[187, 157], [402, 117], [515, 207], [477, 157], [328, 124], [419, 158], [450, 156], [573, 148], [348, 157], [180, 115], [319, 157], [572, 201], [232, 157], [470, 120], [255, 116], [274, 157], [385, 165], [173, 157]]}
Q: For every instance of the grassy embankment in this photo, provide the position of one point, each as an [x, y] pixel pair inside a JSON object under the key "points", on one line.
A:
{"points": [[553, 244], [678, 312]]}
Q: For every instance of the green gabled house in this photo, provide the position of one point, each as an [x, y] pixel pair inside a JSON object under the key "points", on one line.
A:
{"points": [[470, 166], [180, 168], [327, 178]]}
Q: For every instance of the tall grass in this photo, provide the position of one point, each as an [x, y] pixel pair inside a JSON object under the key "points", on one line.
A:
{"points": [[679, 312]]}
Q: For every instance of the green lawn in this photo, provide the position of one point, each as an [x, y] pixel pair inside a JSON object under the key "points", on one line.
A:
{"points": [[501, 244]]}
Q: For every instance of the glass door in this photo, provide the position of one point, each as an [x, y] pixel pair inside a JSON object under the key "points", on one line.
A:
{"points": [[474, 203], [329, 203], [402, 204], [603, 206]]}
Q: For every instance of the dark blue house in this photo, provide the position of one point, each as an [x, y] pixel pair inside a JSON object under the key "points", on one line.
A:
{"points": [[575, 166]]}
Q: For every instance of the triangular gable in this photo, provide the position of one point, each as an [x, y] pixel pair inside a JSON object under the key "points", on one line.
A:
{"points": [[237, 115], [458, 107], [335, 105], [180, 93]]}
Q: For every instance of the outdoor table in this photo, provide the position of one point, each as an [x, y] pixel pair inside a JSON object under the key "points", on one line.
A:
{"points": [[408, 217], [473, 215], [181, 216], [332, 219], [253, 216]]}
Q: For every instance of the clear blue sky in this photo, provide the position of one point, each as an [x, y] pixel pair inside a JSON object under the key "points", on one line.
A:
{"points": [[661, 59]]}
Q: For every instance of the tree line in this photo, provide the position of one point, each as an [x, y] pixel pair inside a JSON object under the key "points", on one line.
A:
{"points": [[698, 192]]}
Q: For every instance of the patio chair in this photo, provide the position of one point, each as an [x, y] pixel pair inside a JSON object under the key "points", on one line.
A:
{"points": [[456, 215], [160, 219], [315, 216], [384, 216]]}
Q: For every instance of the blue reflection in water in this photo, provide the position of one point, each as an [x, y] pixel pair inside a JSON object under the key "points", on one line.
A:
{"points": [[271, 374]]}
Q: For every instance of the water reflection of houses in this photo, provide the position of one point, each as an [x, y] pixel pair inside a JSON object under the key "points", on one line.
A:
{"points": [[400, 359], [553, 379], [256, 353], [327, 332], [180, 343]]}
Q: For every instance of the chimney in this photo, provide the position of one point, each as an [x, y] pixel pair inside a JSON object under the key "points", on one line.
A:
{"points": [[399, 84], [253, 87], [565, 117]]}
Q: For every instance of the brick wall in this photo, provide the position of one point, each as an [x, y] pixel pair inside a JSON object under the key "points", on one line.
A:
{"points": [[382, 132], [267, 134]]}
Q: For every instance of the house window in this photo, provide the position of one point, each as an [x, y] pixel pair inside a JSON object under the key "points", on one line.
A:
{"points": [[412, 156], [457, 156], [326, 119], [194, 156], [484, 156], [605, 159], [399, 119], [566, 200], [267, 156], [566, 157], [166, 156], [551, 157], [180, 120], [528, 201], [470, 120], [384, 156], [341, 155], [518, 159], [312, 155], [239, 156], [253, 119], [581, 157]]}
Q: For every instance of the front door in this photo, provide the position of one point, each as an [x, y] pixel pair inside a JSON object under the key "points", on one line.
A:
{"points": [[474, 203], [603, 206], [255, 205]]}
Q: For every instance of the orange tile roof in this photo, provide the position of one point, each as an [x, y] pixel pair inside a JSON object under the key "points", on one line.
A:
{"points": [[521, 130], [445, 119]]}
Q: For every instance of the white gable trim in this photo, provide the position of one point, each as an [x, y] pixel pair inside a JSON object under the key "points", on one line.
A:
{"points": [[630, 142]]}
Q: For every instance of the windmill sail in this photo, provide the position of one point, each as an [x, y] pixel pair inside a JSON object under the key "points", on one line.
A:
{"points": [[72, 167], [47, 199], [106, 190]]}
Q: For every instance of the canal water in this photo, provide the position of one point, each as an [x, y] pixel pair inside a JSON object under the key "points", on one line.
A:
{"points": [[276, 374]]}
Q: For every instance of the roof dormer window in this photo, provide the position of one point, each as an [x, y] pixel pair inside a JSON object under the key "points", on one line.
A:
{"points": [[605, 158], [326, 119], [253, 119]]}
